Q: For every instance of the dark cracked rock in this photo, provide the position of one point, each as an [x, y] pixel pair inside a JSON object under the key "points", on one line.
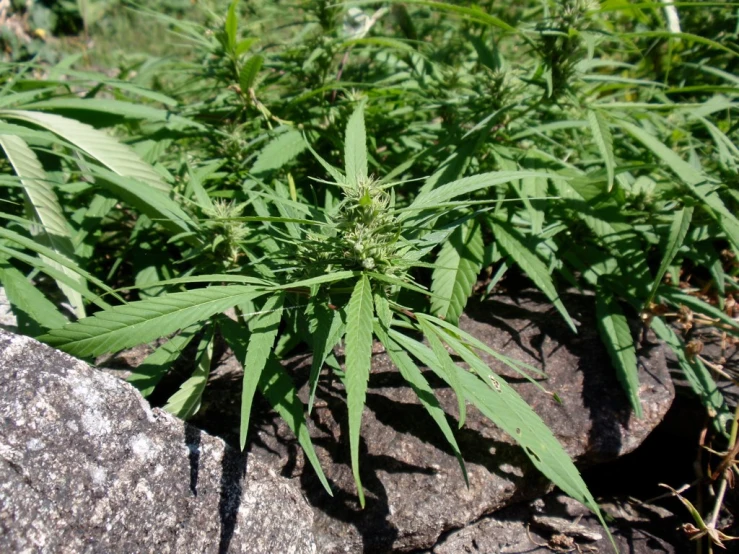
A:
{"points": [[86, 466], [414, 488], [558, 523]]}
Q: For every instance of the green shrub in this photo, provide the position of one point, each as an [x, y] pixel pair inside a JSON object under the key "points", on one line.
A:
{"points": [[575, 143]]}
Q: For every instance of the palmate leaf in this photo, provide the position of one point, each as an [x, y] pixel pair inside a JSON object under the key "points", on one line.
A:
{"points": [[185, 403], [144, 321], [46, 210], [616, 335], [504, 407], [263, 329], [280, 150], [117, 157], [457, 266], [277, 387], [355, 148], [413, 376], [510, 241], [604, 141], [678, 231], [358, 351]]}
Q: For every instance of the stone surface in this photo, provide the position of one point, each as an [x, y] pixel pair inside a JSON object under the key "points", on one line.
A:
{"points": [[557, 521], [86, 466], [414, 488]]}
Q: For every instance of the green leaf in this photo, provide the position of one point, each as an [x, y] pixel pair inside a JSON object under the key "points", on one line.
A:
{"points": [[185, 403], [50, 270], [444, 365], [152, 202], [32, 309], [277, 387], [456, 269], [678, 231], [604, 141], [502, 405], [46, 210], [467, 185], [117, 157], [149, 372], [263, 329], [410, 372], [140, 322], [249, 72], [697, 375], [675, 297], [359, 315], [107, 106], [510, 241], [327, 327], [355, 148], [616, 335], [696, 180], [279, 151], [231, 25]]}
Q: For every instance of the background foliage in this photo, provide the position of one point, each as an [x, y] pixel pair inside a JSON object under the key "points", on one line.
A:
{"points": [[153, 185]]}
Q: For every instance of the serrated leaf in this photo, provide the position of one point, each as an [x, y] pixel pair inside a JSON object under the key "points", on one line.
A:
{"points": [[358, 363], [279, 151], [444, 366], [604, 141], [144, 321], [510, 241], [244, 45], [277, 387], [355, 148], [44, 251], [697, 375], [263, 329], [46, 210], [696, 180], [466, 185], [677, 298], [185, 403], [616, 335], [249, 72], [331, 170], [149, 372], [108, 106], [678, 231], [457, 266], [32, 309], [503, 406], [231, 25], [382, 308], [327, 327], [117, 157], [413, 376]]}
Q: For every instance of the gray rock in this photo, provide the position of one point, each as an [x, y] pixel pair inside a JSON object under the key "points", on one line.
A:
{"points": [[414, 488], [636, 528], [86, 466]]}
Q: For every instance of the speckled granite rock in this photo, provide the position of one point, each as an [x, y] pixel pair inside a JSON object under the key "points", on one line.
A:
{"points": [[415, 491], [86, 466]]}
